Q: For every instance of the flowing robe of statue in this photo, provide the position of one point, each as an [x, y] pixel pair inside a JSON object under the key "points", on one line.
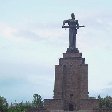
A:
{"points": [[73, 24]]}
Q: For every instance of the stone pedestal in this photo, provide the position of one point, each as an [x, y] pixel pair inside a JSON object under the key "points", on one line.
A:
{"points": [[71, 80], [71, 84]]}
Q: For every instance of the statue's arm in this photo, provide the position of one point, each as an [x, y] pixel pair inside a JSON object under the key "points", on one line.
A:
{"points": [[65, 21]]}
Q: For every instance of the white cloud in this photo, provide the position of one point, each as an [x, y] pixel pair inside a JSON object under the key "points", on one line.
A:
{"points": [[6, 30], [33, 32]]}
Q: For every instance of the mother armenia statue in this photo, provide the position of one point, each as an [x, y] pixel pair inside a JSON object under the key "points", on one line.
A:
{"points": [[73, 25]]}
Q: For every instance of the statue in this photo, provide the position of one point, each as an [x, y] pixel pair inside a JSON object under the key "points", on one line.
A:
{"points": [[73, 25]]}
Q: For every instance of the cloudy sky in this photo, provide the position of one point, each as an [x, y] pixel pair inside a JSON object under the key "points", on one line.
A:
{"points": [[32, 41]]}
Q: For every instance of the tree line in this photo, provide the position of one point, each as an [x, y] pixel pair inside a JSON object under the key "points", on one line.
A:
{"points": [[37, 102], [21, 107]]}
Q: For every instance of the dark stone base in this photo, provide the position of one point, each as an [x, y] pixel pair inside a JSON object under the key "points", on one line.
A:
{"points": [[75, 50]]}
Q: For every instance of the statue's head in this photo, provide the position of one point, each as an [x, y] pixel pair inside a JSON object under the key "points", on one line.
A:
{"points": [[73, 16]]}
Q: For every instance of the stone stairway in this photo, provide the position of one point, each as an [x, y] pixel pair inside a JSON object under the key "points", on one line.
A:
{"points": [[71, 111]]}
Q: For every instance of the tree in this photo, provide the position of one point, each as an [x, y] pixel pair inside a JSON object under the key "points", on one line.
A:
{"points": [[105, 102], [3, 104], [100, 101], [37, 101]]}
